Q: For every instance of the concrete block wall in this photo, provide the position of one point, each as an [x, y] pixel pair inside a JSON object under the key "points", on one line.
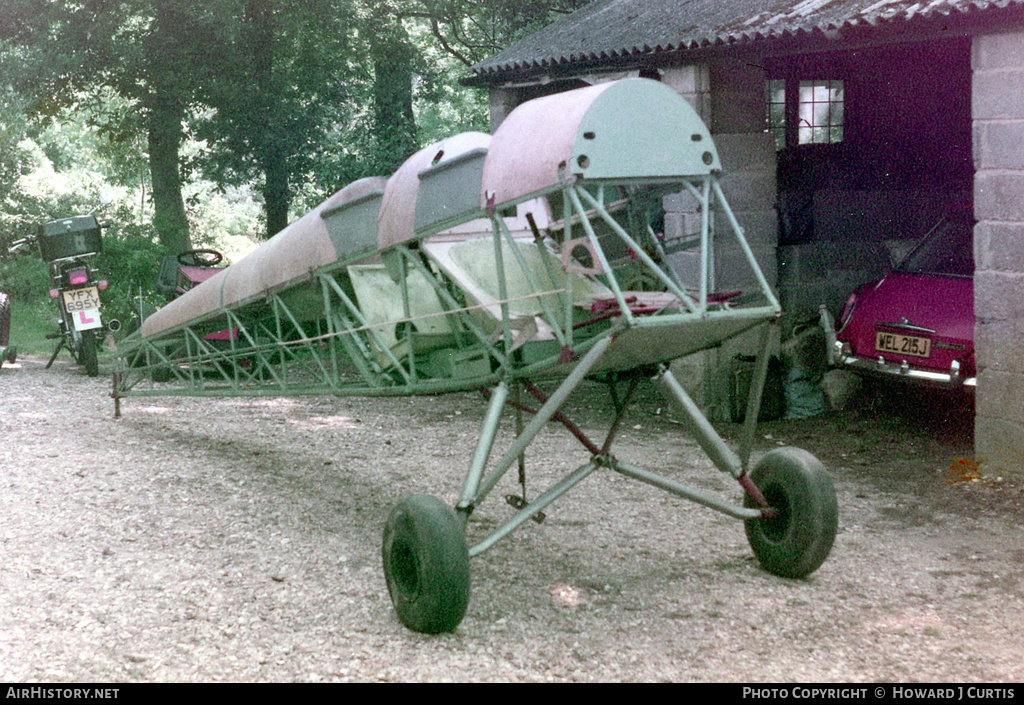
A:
{"points": [[748, 181], [826, 272], [693, 82], [997, 106], [859, 235]]}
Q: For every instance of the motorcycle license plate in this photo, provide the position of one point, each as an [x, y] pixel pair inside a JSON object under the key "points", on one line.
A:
{"points": [[81, 299], [912, 345], [83, 305]]}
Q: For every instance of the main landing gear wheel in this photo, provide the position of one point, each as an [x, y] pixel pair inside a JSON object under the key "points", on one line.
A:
{"points": [[797, 540], [426, 564]]}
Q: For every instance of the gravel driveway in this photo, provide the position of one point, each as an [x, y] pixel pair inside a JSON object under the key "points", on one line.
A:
{"points": [[239, 540]]}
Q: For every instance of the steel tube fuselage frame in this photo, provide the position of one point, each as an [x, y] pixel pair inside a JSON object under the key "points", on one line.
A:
{"points": [[270, 338], [430, 281], [491, 293]]}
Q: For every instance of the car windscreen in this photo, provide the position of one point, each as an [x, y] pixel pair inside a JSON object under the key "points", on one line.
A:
{"points": [[948, 249]]}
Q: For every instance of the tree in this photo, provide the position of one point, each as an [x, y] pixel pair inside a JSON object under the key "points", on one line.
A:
{"points": [[145, 50], [472, 30], [294, 97], [167, 88], [275, 85], [392, 57]]}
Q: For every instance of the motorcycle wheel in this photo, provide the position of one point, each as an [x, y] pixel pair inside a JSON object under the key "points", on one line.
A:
{"points": [[87, 354], [5, 319]]}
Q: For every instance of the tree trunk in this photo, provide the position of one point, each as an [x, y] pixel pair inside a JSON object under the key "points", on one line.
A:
{"points": [[276, 195], [261, 19], [165, 136], [394, 121]]}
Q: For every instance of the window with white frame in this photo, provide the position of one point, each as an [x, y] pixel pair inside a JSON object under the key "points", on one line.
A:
{"points": [[775, 99], [818, 107], [821, 112]]}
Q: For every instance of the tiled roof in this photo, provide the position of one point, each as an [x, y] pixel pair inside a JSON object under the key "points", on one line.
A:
{"points": [[607, 31]]}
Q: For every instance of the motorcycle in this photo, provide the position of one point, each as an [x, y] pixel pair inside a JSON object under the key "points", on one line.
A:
{"points": [[69, 245], [8, 353]]}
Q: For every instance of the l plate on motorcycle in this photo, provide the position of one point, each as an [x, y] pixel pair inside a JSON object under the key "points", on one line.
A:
{"points": [[84, 307]]}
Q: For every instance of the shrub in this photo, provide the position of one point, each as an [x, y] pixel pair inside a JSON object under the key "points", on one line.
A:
{"points": [[130, 264], [25, 278]]}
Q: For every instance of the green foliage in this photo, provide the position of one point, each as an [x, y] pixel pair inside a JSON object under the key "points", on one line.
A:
{"points": [[12, 130], [129, 262], [471, 30], [25, 278], [443, 106], [278, 102], [277, 82], [31, 322]]}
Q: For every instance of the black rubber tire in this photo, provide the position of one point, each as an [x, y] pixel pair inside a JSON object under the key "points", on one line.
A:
{"points": [[797, 541], [87, 354], [426, 564], [5, 319]]}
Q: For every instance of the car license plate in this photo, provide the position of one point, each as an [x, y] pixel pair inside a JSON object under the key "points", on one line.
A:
{"points": [[81, 299], [912, 345]]}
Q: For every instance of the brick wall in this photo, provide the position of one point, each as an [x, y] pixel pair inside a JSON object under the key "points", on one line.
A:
{"points": [[998, 117]]}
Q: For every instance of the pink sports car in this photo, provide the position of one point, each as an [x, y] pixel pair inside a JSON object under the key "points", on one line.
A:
{"points": [[917, 323]]}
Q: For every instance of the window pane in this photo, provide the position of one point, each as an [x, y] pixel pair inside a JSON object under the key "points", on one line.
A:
{"points": [[775, 110], [821, 111], [821, 114], [836, 114]]}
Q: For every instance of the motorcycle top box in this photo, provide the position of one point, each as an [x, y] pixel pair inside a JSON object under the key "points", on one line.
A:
{"points": [[70, 237]]}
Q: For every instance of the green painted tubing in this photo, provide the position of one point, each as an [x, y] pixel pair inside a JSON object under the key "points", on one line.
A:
{"points": [[499, 261], [747, 252], [680, 490], [707, 264], [664, 257], [639, 251], [537, 505], [483, 446], [354, 310], [450, 301], [532, 281], [544, 415], [612, 281], [704, 433], [754, 396]]}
